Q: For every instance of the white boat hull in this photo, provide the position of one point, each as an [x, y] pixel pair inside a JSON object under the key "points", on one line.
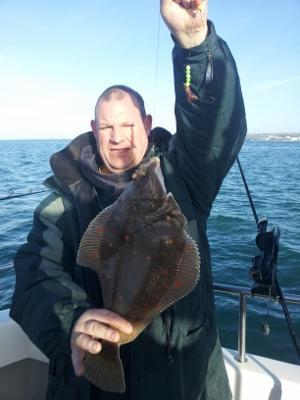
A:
{"points": [[259, 378]]}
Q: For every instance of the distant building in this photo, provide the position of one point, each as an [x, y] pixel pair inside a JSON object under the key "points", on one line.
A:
{"points": [[293, 137]]}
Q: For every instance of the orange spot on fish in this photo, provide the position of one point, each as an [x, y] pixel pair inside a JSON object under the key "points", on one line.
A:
{"points": [[178, 283], [126, 237], [170, 241]]}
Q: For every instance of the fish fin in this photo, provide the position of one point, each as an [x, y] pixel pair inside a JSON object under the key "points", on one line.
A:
{"points": [[187, 275], [88, 254], [105, 369], [137, 328], [185, 279]]}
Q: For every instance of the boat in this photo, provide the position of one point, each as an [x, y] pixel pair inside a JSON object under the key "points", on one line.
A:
{"points": [[23, 368]]}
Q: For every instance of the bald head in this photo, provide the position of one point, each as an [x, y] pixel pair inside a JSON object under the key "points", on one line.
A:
{"points": [[118, 92]]}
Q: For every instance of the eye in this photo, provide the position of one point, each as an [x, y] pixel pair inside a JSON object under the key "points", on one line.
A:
{"points": [[104, 128], [128, 125]]}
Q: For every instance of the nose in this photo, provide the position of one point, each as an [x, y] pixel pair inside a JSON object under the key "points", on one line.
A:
{"points": [[116, 135]]}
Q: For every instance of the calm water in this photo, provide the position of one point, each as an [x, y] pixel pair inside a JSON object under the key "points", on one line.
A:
{"points": [[272, 170]]}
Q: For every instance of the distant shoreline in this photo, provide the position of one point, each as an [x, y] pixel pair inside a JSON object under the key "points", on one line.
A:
{"points": [[290, 137], [35, 140]]}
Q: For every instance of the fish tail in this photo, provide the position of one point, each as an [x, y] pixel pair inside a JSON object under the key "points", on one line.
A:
{"points": [[105, 369]]}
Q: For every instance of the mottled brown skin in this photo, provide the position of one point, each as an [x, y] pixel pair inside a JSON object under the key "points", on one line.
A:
{"points": [[149, 237], [144, 260]]}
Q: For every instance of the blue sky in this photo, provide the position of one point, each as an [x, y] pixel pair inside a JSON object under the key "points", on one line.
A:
{"points": [[56, 57]]}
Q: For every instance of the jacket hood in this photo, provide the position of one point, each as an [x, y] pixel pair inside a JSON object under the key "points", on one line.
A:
{"points": [[66, 164]]}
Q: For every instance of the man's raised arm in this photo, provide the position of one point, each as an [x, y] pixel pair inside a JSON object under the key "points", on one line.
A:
{"points": [[209, 109]]}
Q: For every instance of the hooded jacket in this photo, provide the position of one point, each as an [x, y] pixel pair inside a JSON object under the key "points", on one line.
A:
{"points": [[178, 356]]}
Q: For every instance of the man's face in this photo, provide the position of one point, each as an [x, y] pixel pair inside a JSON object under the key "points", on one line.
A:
{"points": [[121, 134]]}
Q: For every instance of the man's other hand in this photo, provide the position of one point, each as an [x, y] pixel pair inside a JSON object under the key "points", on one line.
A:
{"points": [[186, 19]]}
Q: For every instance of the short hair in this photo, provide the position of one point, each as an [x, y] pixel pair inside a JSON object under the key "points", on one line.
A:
{"points": [[116, 92]]}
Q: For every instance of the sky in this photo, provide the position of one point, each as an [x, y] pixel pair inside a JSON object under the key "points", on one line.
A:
{"points": [[56, 57]]}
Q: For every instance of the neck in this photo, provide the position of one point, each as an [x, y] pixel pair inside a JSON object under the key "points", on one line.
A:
{"points": [[103, 170]]}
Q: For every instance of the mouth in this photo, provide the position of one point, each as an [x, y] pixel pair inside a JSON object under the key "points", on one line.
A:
{"points": [[119, 151]]}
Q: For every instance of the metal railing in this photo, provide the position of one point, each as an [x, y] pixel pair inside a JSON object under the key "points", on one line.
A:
{"points": [[243, 293]]}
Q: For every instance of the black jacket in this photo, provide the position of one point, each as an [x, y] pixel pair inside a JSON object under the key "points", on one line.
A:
{"points": [[178, 356]]}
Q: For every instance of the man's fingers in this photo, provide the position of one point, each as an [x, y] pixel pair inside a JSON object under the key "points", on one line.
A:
{"points": [[194, 4], [95, 324], [101, 331], [77, 357], [86, 343], [104, 317], [116, 321], [169, 3], [184, 3]]}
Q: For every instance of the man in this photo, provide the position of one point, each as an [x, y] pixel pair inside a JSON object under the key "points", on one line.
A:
{"points": [[59, 304]]}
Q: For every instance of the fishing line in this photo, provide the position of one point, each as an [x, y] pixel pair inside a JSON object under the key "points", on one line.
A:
{"points": [[156, 68], [209, 74]]}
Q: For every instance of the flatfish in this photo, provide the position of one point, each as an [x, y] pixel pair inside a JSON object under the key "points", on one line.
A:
{"points": [[145, 262]]}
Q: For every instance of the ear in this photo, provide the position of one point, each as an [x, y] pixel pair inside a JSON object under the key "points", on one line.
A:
{"points": [[148, 124], [94, 128]]}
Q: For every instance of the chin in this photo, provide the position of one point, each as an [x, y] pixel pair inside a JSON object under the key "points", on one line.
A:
{"points": [[118, 169], [122, 167]]}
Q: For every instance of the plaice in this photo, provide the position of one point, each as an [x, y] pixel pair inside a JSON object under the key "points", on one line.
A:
{"points": [[145, 262]]}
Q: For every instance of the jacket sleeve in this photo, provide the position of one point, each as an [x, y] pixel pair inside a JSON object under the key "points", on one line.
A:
{"points": [[46, 300], [210, 130]]}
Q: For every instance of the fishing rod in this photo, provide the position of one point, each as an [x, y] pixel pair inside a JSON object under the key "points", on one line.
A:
{"points": [[247, 191], [6, 268], [12, 195], [264, 266]]}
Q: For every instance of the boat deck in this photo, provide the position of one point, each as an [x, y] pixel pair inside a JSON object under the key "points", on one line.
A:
{"points": [[24, 379]]}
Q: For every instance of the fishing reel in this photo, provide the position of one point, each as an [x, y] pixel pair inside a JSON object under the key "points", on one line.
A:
{"points": [[264, 266]]}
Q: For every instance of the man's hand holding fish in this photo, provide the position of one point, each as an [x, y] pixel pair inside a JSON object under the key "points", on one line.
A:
{"points": [[90, 328]]}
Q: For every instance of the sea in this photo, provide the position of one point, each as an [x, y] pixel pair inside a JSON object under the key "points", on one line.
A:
{"points": [[272, 172]]}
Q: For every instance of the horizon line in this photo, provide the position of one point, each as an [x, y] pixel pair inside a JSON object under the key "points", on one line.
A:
{"points": [[70, 138]]}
